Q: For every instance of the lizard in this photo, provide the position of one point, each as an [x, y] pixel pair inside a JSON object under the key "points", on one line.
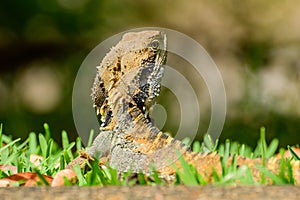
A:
{"points": [[126, 85]]}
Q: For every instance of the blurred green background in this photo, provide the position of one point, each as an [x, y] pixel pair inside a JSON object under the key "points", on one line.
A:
{"points": [[256, 45]]}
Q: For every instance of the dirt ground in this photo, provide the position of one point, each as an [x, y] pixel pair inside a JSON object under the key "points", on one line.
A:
{"points": [[157, 193]]}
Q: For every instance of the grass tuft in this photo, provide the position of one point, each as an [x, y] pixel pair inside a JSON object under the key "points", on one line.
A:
{"points": [[54, 158]]}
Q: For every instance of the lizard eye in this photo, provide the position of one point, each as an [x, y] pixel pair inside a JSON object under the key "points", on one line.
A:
{"points": [[155, 44]]}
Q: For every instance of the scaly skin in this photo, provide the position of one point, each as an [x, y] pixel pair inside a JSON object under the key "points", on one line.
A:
{"points": [[127, 82]]}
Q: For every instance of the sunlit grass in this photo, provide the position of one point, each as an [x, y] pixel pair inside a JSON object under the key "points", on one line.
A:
{"points": [[13, 152]]}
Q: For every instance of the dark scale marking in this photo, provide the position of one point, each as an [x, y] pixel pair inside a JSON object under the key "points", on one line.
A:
{"points": [[123, 100], [119, 66], [182, 145], [99, 93], [188, 149], [152, 136], [98, 116], [152, 131], [153, 128], [149, 81], [139, 99], [130, 105], [194, 155], [145, 89], [164, 136], [134, 112], [145, 73], [107, 118]]}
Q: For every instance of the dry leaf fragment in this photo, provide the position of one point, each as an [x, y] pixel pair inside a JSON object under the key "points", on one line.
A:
{"points": [[25, 179]]}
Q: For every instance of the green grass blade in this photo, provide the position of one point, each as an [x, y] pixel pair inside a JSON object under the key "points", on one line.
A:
{"points": [[91, 138], [81, 179], [224, 159], [9, 145], [272, 148], [141, 179], [23, 145], [49, 148], [3, 174], [234, 148], [221, 150], [196, 146], [231, 177], [33, 143], [199, 178], [155, 176], [97, 175], [186, 141], [282, 163], [216, 145], [275, 179], [215, 176], [113, 173], [66, 156], [290, 172], [41, 176], [263, 151], [47, 132], [295, 156], [242, 150], [43, 145], [67, 182], [78, 144], [65, 140], [248, 179], [186, 175], [208, 143], [6, 139], [62, 162], [1, 135]]}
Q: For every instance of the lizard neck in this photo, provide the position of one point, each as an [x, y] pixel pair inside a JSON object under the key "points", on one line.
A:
{"points": [[126, 115], [130, 98]]}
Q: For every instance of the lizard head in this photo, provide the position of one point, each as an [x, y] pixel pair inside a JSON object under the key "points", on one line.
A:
{"points": [[134, 65], [143, 47], [143, 81]]}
